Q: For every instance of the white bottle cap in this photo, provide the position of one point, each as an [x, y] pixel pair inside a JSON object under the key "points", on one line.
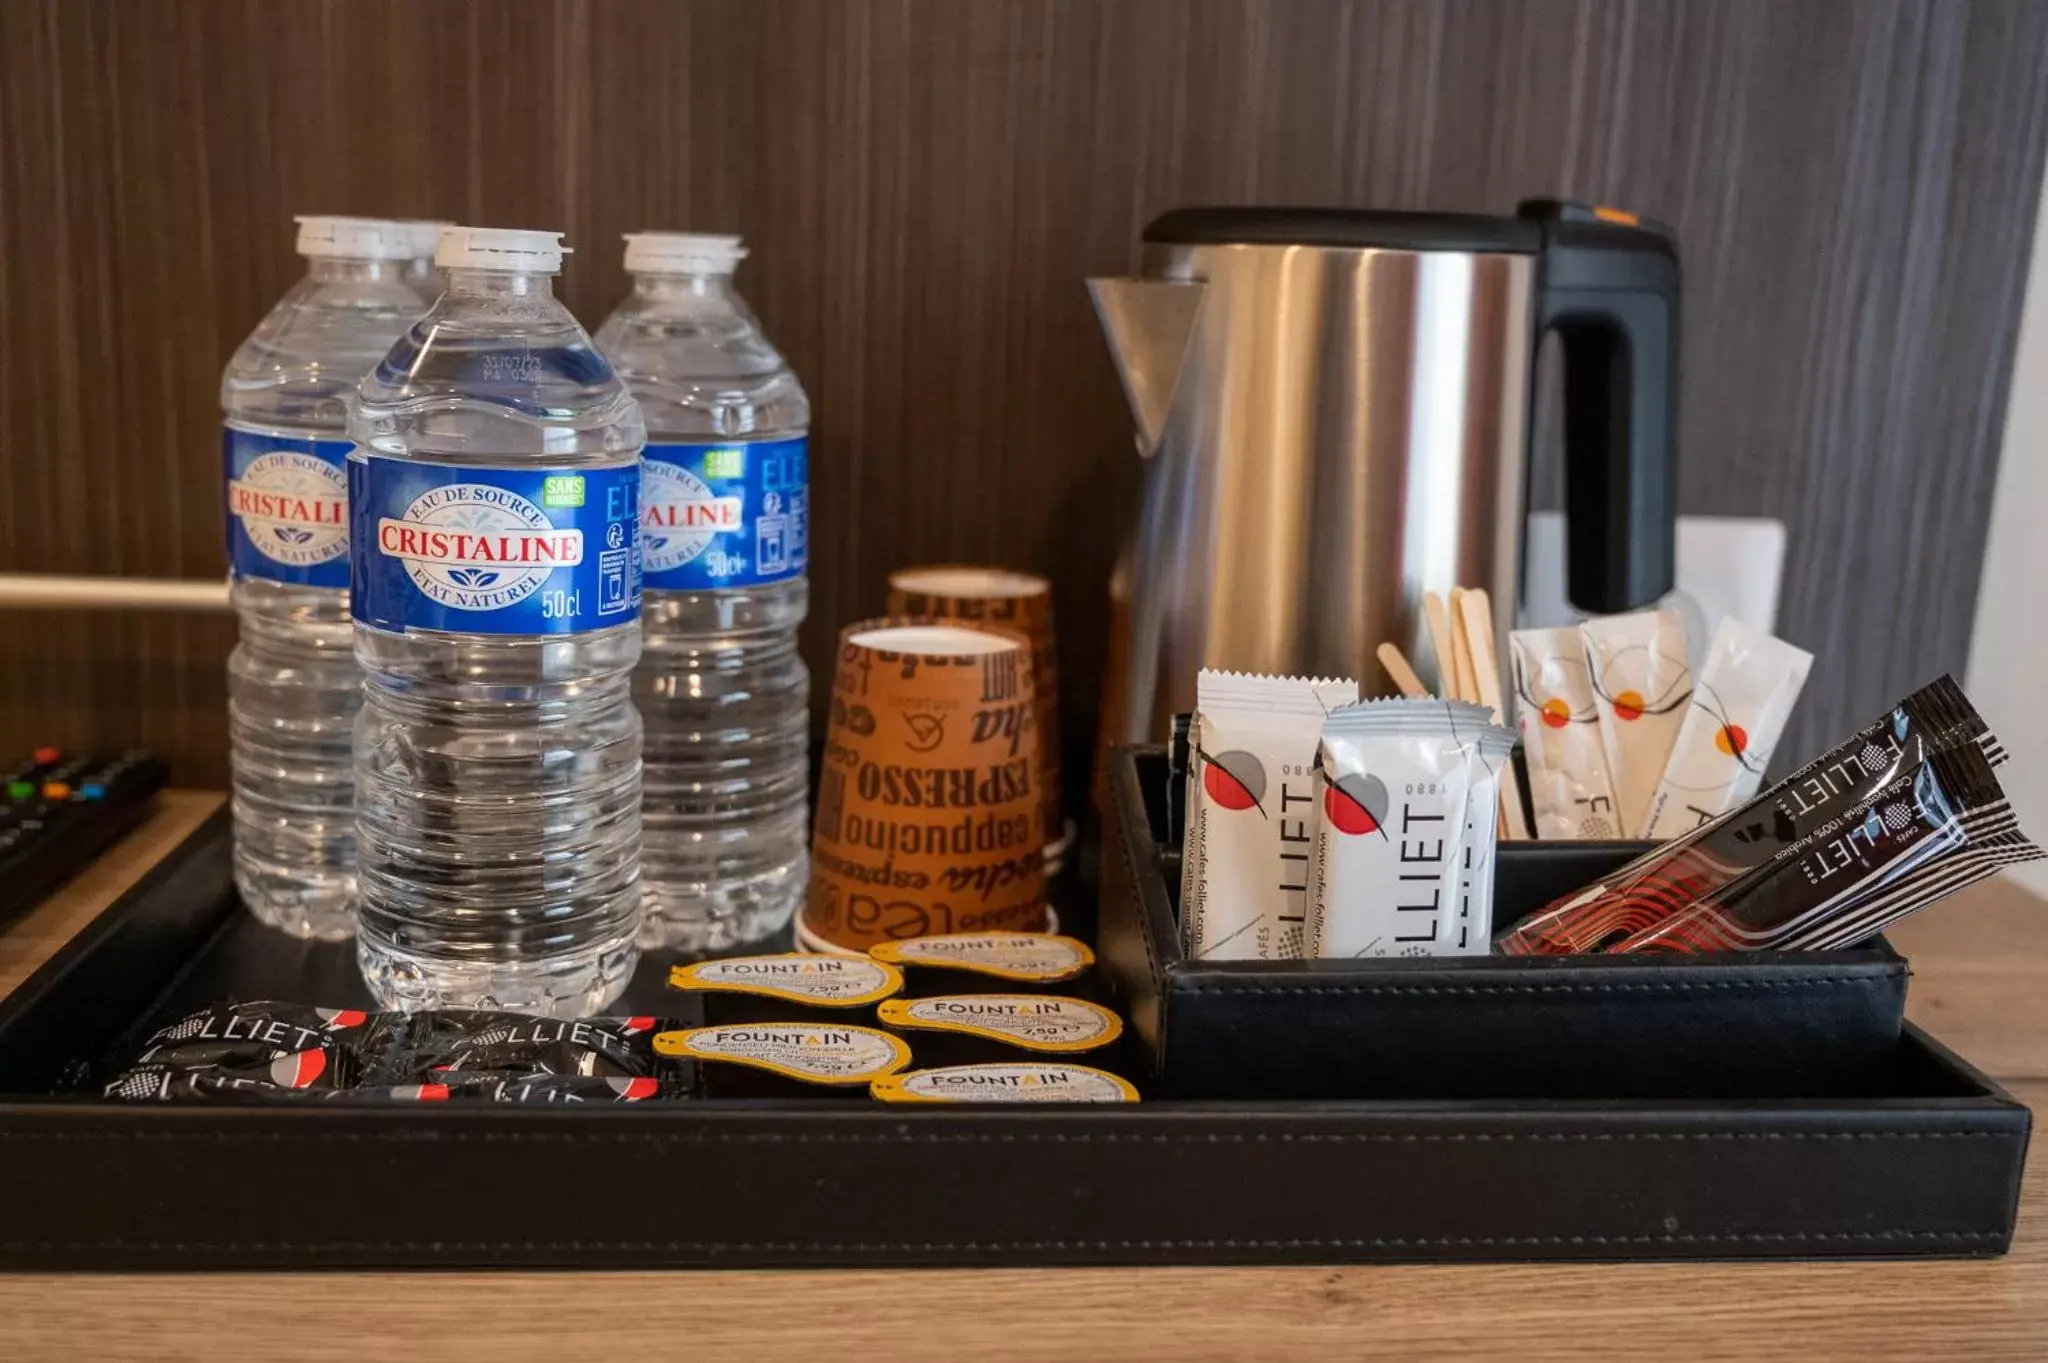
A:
{"points": [[424, 236], [355, 238], [499, 248], [681, 253]]}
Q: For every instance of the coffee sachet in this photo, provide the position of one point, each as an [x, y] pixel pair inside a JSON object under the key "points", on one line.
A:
{"points": [[270, 1050], [1641, 685], [1992, 841], [455, 1040], [544, 1090], [1409, 793], [161, 1084], [1557, 712], [1698, 865], [251, 1035], [1744, 694], [1912, 822], [1252, 813], [1180, 739], [324, 1068]]}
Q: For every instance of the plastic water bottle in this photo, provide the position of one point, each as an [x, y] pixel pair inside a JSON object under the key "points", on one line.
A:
{"points": [[724, 535], [293, 685], [420, 271], [495, 529]]}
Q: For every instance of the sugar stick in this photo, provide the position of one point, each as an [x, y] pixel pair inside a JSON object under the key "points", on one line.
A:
{"points": [[1404, 676], [1477, 613], [1461, 650], [1440, 639]]}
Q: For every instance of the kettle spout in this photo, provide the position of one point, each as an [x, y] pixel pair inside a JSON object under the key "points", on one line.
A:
{"points": [[1149, 323]]}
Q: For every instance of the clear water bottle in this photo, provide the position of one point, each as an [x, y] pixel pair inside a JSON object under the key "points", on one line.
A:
{"points": [[495, 528], [724, 536], [293, 685], [420, 271]]}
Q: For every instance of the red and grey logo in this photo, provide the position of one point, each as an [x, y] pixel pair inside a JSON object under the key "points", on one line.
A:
{"points": [[1356, 805], [338, 1018], [1235, 780], [632, 1090], [300, 1070], [420, 1093]]}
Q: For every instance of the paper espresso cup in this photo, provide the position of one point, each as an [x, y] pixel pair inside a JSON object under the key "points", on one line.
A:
{"points": [[1005, 600], [928, 817]]}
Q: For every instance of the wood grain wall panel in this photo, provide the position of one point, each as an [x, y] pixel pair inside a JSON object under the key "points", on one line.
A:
{"points": [[924, 184]]}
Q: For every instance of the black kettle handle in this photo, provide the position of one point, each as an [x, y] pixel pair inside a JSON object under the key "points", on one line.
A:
{"points": [[1609, 288]]}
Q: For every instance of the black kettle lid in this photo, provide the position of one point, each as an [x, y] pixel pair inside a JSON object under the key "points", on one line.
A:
{"points": [[1353, 228]]}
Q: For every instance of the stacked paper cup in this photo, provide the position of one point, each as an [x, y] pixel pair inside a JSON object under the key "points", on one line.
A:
{"points": [[929, 814], [1008, 600]]}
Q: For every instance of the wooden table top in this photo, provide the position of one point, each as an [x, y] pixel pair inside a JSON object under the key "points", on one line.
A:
{"points": [[1980, 983]]}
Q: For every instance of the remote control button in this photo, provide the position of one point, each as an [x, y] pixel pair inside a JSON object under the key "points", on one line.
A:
{"points": [[45, 756], [20, 790], [92, 790], [56, 790]]}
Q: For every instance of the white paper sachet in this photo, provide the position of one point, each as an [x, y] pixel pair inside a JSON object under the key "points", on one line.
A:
{"points": [[1252, 813], [1745, 692], [1555, 710], [1640, 688], [1409, 791]]}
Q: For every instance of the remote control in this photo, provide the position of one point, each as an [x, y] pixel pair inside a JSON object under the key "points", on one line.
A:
{"points": [[59, 810]]}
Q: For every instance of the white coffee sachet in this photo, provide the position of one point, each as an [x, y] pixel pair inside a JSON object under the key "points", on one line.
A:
{"points": [[1409, 792], [1252, 813], [1742, 698], [1640, 687], [1555, 710]]}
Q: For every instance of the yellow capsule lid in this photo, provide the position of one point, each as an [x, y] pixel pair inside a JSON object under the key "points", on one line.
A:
{"points": [[1027, 957], [1028, 1081], [794, 977], [1034, 1022], [811, 1052]]}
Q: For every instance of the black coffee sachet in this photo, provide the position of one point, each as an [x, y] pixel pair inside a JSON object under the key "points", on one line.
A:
{"points": [[1813, 891], [1705, 865], [452, 1041], [268, 1050], [255, 1033], [318, 1070]]}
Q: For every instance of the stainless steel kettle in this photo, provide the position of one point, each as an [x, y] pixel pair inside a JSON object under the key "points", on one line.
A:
{"points": [[1336, 406]]}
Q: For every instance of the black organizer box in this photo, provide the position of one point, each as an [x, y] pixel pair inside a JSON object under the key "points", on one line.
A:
{"points": [[1738, 1024], [1923, 1158]]}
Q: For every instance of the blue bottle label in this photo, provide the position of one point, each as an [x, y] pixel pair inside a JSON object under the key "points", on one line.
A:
{"points": [[491, 550], [287, 508], [731, 515]]}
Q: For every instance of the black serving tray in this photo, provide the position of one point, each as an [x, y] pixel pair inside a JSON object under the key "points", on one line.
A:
{"points": [[1923, 1158], [1739, 1024]]}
